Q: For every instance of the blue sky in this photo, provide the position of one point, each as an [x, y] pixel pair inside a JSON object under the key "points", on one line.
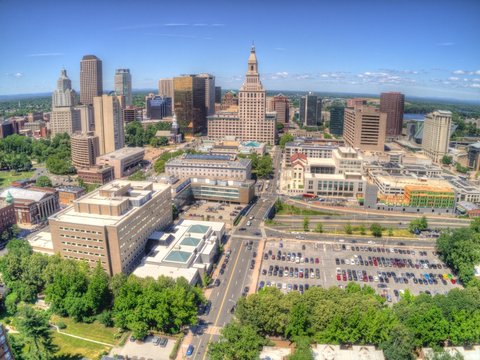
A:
{"points": [[422, 48]]}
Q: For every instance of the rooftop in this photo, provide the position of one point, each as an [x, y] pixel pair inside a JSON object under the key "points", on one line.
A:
{"points": [[178, 256], [198, 229], [123, 153], [23, 194]]}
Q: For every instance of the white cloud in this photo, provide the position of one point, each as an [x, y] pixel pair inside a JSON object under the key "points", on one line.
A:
{"points": [[459, 72], [476, 86], [453, 78], [44, 54], [16, 75], [447, 43]]}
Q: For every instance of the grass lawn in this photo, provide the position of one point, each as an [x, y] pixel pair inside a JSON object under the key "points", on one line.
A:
{"points": [[72, 349], [287, 209], [94, 331], [6, 177]]}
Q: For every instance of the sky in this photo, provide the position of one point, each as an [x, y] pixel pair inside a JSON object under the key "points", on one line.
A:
{"points": [[425, 48]]}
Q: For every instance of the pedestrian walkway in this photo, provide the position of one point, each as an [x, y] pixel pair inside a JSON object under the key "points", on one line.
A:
{"points": [[258, 262], [79, 337]]}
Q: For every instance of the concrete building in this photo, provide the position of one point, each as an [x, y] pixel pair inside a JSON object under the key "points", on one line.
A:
{"points": [[123, 85], [96, 174], [337, 112], [31, 205], [36, 129], [131, 113], [393, 103], [364, 128], [124, 161], [91, 79], [337, 352], [86, 117], [187, 252], [7, 214], [311, 150], [112, 224], [64, 95], [85, 149], [230, 98], [189, 103], [67, 194], [209, 93], [218, 94], [109, 122], [436, 134], [6, 129], [473, 156], [158, 107], [223, 167], [281, 105], [165, 88], [229, 191], [352, 103], [65, 120], [311, 110]]}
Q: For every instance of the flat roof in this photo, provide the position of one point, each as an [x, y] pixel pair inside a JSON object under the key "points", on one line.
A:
{"points": [[179, 256], [23, 194], [41, 242], [122, 153], [190, 241], [198, 228], [155, 270]]}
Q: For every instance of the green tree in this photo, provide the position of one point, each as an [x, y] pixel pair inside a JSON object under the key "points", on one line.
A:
{"points": [[264, 167], [362, 229], [284, 139], [306, 223], [376, 230], [60, 165], [319, 228], [280, 127], [418, 225], [158, 141], [460, 168], [399, 344], [303, 351], [35, 332], [134, 134], [43, 181], [237, 342], [390, 231], [447, 160], [298, 322], [348, 229], [138, 175]]}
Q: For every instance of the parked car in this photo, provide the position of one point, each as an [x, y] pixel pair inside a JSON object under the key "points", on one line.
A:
{"points": [[190, 350]]}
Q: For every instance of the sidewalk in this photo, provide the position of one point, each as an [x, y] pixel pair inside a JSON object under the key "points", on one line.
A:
{"points": [[258, 262]]}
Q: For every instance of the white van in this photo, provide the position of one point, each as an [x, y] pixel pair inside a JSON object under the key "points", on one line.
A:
{"points": [[249, 223]]}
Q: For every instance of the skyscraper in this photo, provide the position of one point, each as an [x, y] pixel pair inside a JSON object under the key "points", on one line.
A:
{"points": [[91, 82], [63, 95], [123, 85], [209, 92], [436, 134], [65, 119], [336, 119], [218, 94], [251, 106], [189, 103], [311, 110], [158, 107], [109, 122], [281, 105], [85, 149], [393, 104], [165, 88], [364, 128]]}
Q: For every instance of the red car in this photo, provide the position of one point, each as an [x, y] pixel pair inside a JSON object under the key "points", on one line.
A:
{"points": [[339, 277], [317, 260], [453, 281]]}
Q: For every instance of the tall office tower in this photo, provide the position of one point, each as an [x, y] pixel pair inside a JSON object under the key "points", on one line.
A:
{"points": [[158, 107], [64, 95], [269, 103], [364, 128], [336, 119], [189, 103], [91, 82], [309, 110], [436, 134], [393, 104], [109, 122], [281, 105], [218, 94], [251, 106], [85, 149], [86, 117], [65, 120], [165, 88], [209, 92], [131, 113], [230, 99], [123, 85]]}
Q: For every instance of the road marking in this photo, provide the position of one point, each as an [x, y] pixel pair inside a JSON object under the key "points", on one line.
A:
{"points": [[222, 303], [197, 348]]}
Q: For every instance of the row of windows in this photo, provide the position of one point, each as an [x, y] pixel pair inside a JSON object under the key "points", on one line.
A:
{"points": [[83, 259], [82, 252], [83, 245], [66, 236], [80, 230]]}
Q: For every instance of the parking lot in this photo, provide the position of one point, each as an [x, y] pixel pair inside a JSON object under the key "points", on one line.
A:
{"points": [[145, 350], [294, 265]]}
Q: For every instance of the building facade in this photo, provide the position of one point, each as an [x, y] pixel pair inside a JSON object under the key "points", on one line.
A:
{"points": [[393, 103], [85, 149], [109, 122], [337, 112], [218, 94], [65, 120], [124, 161], [364, 128], [64, 95], [189, 103], [7, 214], [209, 93], [123, 85], [281, 105], [112, 224], [91, 79], [165, 88], [158, 107], [311, 110], [96, 174], [436, 134], [67, 194]]}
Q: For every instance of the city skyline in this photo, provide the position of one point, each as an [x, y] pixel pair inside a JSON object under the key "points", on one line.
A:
{"points": [[423, 50]]}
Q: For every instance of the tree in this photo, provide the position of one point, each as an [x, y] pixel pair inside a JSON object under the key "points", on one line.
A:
{"points": [[303, 351], [444, 355], [319, 228], [264, 167], [399, 345], [138, 175], [363, 230], [158, 141], [237, 342], [390, 231], [298, 322], [306, 223], [35, 332], [460, 168], [348, 229], [43, 181], [447, 160], [376, 230], [134, 134], [418, 225], [60, 165], [284, 139]]}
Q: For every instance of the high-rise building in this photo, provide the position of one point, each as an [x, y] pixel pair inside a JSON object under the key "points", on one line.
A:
{"points": [[109, 122], [85, 149], [311, 110], [364, 128], [230, 99], [65, 120], [356, 102], [86, 117], [165, 88], [131, 113], [64, 95], [218, 94], [123, 85], [158, 107], [91, 81], [189, 103], [336, 119], [436, 134], [281, 105], [251, 106], [393, 104], [209, 93], [111, 225]]}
